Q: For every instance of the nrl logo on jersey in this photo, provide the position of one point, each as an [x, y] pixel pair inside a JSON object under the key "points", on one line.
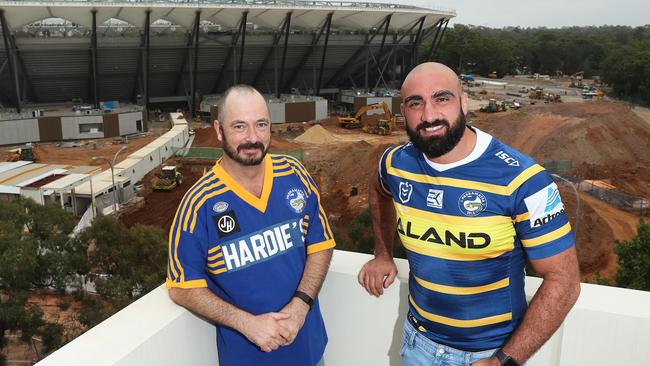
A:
{"points": [[296, 200], [544, 205], [405, 191], [220, 207]]}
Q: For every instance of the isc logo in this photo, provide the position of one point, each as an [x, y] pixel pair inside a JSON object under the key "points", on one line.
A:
{"points": [[507, 158]]}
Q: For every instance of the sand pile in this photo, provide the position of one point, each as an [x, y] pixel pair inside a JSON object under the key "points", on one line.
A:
{"points": [[316, 135]]}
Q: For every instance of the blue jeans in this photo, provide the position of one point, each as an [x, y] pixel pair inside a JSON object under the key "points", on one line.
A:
{"points": [[418, 350]]}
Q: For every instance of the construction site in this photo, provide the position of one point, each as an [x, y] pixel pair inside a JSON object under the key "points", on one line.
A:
{"points": [[567, 124], [325, 109]]}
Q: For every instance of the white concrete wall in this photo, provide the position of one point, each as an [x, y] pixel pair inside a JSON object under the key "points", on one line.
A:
{"points": [[132, 168], [127, 122], [150, 156], [178, 136], [19, 131], [70, 127], [276, 111], [608, 326], [165, 147], [321, 109], [34, 194]]}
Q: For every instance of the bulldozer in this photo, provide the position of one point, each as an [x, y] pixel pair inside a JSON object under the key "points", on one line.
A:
{"points": [[170, 179], [383, 126], [494, 107]]}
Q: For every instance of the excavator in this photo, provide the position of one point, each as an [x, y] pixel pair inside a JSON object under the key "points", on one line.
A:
{"points": [[170, 179], [384, 126]]}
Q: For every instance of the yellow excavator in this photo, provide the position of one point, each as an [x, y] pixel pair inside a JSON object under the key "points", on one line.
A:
{"points": [[384, 126], [170, 179]]}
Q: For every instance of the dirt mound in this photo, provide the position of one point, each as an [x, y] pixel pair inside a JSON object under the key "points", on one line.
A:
{"points": [[316, 135], [342, 174], [630, 178], [596, 133], [205, 137]]}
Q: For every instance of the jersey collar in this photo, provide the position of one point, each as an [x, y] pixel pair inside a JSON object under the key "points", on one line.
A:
{"points": [[260, 203], [482, 142]]}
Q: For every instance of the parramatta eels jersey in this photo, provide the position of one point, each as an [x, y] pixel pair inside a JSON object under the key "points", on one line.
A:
{"points": [[467, 228], [251, 252]]}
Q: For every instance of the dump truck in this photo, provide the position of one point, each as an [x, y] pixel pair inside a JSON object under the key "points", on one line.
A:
{"points": [[170, 179]]}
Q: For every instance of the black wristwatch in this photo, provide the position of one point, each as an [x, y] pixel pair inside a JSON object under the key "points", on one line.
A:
{"points": [[504, 359], [304, 297]]}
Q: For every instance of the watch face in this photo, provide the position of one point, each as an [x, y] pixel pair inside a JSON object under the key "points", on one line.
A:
{"points": [[510, 362]]}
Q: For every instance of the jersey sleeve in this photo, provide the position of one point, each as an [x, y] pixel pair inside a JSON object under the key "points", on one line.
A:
{"points": [[382, 173], [187, 253], [315, 226], [541, 223], [318, 234]]}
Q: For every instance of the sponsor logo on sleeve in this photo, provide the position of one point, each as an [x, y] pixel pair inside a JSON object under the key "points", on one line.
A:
{"points": [[226, 224], [434, 198], [544, 205], [472, 203], [405, 191], [507, 158]]}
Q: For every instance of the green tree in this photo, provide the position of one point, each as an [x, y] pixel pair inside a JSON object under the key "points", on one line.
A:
{"points": [[363, 237], [126, 262], [634, 260], [37, 251]]}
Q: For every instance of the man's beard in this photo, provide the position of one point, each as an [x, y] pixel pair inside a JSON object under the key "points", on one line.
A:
{"points": [[233, 152], [434, 147]]}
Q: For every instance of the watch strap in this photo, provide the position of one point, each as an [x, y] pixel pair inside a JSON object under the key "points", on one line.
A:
{"points": [[504, 359], [304, 297]]}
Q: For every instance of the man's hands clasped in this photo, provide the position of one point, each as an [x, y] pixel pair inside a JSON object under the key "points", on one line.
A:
{"points": [[270, 331]]}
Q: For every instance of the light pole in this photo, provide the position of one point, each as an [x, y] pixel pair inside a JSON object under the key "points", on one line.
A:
{"points": [[111, 163], [577, 201]]}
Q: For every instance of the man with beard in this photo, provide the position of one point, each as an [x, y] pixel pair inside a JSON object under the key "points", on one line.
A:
{"points": [[469, 210], [250, 245]]}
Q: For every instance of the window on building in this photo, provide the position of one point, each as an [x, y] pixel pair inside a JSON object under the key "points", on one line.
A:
{"points": [[91, 127]]}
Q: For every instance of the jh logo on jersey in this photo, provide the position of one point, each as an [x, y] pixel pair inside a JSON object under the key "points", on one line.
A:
{"points": [[405, 190], [226, 223]]}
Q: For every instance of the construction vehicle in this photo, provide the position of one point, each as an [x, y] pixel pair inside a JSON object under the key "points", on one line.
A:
{"points": [[576, 80], [494, 107], [27, 152], [384, 126], [539, 94], [170, 179]]}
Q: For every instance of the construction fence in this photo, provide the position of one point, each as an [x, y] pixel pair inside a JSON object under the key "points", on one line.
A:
{"points": [[214, 153], [600, 189]]}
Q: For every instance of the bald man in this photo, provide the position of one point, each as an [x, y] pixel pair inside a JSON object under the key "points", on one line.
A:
{"points": [[470, 212], [250, 245]]}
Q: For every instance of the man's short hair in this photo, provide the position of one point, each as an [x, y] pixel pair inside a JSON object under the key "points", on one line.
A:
{"points": [[240, 88]]}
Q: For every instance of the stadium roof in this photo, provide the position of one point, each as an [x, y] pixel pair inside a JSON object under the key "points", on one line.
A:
{"points": [[266, 14], [189, 48]]}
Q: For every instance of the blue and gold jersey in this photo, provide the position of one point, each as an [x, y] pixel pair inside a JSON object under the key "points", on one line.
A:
{"points": [[251, 252], [467, 228]]}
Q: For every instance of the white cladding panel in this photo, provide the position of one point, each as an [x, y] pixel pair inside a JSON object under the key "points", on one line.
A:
{"points": [[19, 131]]}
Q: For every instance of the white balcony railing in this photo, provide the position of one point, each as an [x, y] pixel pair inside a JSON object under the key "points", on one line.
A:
{"points": [[608, 326]]}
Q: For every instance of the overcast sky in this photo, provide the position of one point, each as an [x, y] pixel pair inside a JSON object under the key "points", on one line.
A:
{"points": [[543, 13]]}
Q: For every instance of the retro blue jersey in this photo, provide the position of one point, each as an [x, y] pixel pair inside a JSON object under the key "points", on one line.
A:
{"points": [[467, 228], [251, 252]]}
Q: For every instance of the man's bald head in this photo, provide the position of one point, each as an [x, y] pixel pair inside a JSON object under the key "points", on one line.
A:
{"points": [[239, 90], [429, 72]]}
